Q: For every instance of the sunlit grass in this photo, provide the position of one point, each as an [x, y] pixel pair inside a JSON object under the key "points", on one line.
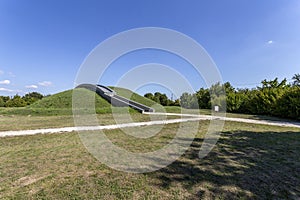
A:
{"points": [[249, 161]]}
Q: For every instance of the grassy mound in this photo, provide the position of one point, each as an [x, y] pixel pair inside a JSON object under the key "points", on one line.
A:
{"points": [[61, 103], [64, 100], [138, 98], [133, 96]]}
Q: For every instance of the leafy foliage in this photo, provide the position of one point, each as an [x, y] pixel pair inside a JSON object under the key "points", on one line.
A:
{"points": [[161, 99], [296, 80], [18, 101], [273, 98]]}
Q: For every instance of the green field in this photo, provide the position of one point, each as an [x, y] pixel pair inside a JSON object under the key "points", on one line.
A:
{"points": [[249, 161]]}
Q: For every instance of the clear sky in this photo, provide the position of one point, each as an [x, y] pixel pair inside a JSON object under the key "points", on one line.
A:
{"points": [[43, 43]]}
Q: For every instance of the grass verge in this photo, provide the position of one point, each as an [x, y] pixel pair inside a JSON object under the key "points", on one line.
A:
{"points": [[248, 162], [23, 122]]}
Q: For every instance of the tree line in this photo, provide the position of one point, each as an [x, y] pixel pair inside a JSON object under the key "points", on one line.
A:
{"points": [[162, 99], [273, 98], [20, 101]]}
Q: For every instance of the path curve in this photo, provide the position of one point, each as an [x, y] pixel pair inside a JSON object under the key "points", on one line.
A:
{"points": [[250, 121], [93, 128], [190, 117]]}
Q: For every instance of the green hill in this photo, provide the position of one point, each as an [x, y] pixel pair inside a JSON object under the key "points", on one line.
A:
{"points": [[61, 103], [133, 96], [138, 98], [64, 100]]}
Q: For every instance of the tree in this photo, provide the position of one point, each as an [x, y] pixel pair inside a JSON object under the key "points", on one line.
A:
{"points": [[296, 80], [149, 96], [218, 96], [189, 101], [163, 99], [156, 97], [16, 101], [203, 97], [2, 103], [273, 84], [5, 98], [230, 97], [159, 98], [273, 97], [228, 87], [289, 104], [175, 103], [32, 97], [185, 100], [242, 101]]}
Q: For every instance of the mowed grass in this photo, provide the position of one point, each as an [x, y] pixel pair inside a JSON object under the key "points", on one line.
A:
{"points": [[175, 109], [21, 122], [249, 162]]}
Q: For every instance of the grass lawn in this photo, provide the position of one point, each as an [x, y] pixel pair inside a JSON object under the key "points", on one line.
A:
{"points": [[27, 122], [249, 161], [175, 109]]}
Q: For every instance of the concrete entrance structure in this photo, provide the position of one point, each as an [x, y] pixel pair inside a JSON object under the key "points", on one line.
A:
{"points": [[116, 100]]}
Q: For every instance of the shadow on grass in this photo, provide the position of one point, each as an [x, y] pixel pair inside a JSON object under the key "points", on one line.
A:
{"points": [[243, 164], [273, 118]]}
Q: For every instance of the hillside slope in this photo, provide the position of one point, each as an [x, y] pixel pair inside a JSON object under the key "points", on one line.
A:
{"points": [[64, 100], [133, 96], [61, 103]]}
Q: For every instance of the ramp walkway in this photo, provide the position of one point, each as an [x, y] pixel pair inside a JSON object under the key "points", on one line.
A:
{"points": [[116, 100]]}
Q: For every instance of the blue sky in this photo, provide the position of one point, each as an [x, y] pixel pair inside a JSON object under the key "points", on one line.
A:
{"points": [[43, 43]]}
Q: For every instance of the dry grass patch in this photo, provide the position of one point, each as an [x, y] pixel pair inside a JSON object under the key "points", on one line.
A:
{"points": [[249, 161], [21, 122]]}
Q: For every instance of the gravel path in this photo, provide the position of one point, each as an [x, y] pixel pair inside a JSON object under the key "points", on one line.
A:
{"points": [[190, 117], [251, 121], [93, 128]]}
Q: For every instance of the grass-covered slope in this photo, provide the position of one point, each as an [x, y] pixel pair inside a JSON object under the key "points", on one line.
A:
{"points": [[133, 96], [138, 98], [64, 100], [61, 103]]}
